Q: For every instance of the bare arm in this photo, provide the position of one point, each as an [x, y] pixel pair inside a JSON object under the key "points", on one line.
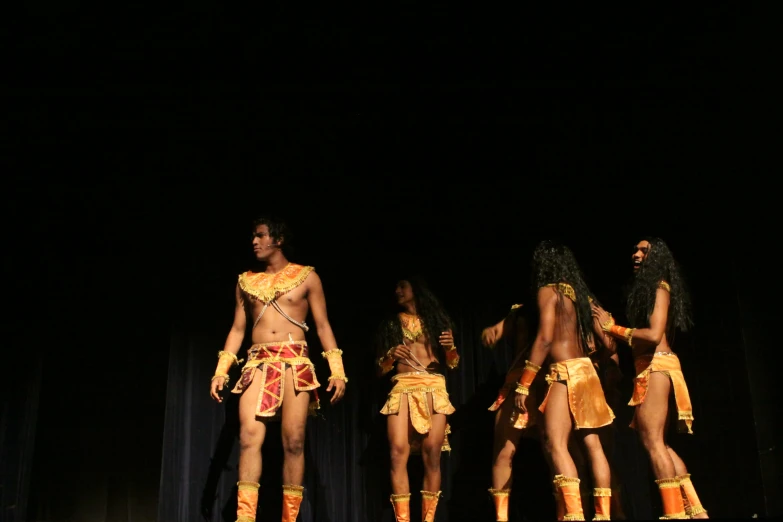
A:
{"points": [[228, 356], [651, 335], [604, 338], [317, 301], [237, 332]]}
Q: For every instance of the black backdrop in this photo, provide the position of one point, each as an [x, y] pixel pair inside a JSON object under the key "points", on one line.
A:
{"points": [[136, 165]]}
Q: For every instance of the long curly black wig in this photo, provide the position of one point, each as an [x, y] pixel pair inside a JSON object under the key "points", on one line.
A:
{"points": [[553, 262], [434, 318], [658, 265]]}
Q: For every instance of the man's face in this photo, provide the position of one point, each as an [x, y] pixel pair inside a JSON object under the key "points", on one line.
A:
{"points": [[404, 292], [640, 252], [263, 244]]}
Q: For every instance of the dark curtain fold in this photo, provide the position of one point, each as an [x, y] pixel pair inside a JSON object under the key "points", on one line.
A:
{"points": [[18, 423]]}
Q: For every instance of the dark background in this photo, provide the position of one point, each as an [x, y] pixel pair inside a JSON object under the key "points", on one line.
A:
{"points": [[140, 142]]}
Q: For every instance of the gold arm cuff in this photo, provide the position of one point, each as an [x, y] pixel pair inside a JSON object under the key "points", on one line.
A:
{"points": [[523, 390], [224, 353], [224, 375], [530, 366], [336, 352], [338, 378]]}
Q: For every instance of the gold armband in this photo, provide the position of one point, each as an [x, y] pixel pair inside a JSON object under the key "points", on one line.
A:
{"points": [[452, 357], [386, 363], [225, 361], [528, 374], [335, 359]]}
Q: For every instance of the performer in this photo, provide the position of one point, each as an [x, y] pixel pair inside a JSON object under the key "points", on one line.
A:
{"points": [[510, 422], [278, 381], [658, 305], [418, 403], [575, 399]]}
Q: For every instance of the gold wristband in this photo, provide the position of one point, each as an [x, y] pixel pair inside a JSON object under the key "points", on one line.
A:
{"points": [[523, 390], [224, 375]]}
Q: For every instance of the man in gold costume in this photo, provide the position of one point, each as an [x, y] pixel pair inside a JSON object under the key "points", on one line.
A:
{"points": [[657, 306], [278, 380], [575, 400], [418, 342]]}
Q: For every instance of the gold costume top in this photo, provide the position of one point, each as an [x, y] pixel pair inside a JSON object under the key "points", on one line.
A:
{"points": [[268, 287], [411, 326], [565, 289]]}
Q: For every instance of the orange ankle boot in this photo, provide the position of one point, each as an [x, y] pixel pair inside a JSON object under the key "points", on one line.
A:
{"points": [[568, 491], [247, 501], [292, 498], [500, 498], [429, 503], [602, 501], [673, 507], [402, 507], [690, 499]]}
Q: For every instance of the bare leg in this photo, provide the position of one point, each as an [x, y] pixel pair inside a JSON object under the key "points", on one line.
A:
{"points": [[599, 465], [557, 427], [398, 430], [252, 431], [292, 430], [505, 445], [651, 418], [431, 449]]}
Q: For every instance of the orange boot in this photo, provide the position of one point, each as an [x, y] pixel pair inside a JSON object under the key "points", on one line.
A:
{"points": [[247, 501], [559, 505], [402, 507], [292, 498], [690, 499], [568, 491], [602, 500], [673, 507], [500, 497], [429, 502]]}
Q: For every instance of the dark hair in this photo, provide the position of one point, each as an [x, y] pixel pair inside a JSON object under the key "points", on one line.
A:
{"points": [[658, 265], [278, 230], [554, 262], [434, 317]]}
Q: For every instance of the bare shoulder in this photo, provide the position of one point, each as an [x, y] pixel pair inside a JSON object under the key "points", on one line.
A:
{"points": [[547, 295]]}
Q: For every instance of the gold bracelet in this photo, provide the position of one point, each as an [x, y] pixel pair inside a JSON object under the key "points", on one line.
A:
{"points": [[338, 378], [224, 375], [523, 390]]}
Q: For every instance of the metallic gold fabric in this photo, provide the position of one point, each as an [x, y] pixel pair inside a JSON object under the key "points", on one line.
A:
{"points": [[602, 502], [292, 498], [518, 419], [429, 503], [402, 507], [585, 396], [415, 386], [673, 506], [270, 359], [568, 489], [267, 287], [247, 501], [669, 364], [689, 497], [500, 498]]}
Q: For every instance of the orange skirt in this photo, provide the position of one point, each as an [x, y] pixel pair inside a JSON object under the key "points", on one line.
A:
{"points": [[270, 359], [586, 399], [669, 364]]}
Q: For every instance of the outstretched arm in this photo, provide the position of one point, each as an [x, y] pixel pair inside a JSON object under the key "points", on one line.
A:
{"points": [[317, 301]]}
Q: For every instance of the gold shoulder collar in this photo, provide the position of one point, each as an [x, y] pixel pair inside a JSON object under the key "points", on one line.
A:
{"points": [[267, 287], [665, 286], [565, 289]]}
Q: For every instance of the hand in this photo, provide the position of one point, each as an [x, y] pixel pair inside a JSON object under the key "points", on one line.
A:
{"points": [[520, 401], [490, 336], [446, 340], [401, 351], [216, 388], [339, 390], [601, 314]]}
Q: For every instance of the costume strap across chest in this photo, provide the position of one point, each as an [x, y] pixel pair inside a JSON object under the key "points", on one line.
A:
{"points": [[268, 287]]}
